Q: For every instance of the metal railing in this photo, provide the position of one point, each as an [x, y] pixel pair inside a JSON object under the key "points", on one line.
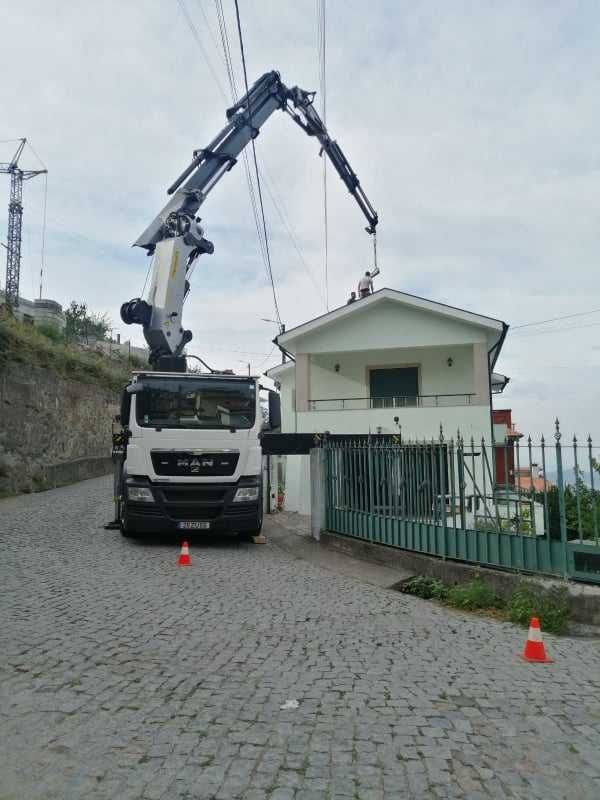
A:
{"points": [[458, 499], [404, 401]]}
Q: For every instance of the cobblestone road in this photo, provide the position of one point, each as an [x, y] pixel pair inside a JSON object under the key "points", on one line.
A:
{"points": [[124, 676]]}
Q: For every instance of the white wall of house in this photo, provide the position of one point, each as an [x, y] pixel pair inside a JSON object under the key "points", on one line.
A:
{"points": [[379, 326], [352, 379], [413, 423]]}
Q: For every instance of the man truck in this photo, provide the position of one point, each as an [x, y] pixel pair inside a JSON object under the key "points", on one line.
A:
{"points": [[187, 451]]}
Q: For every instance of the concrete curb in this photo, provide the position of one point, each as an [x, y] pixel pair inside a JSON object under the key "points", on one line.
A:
{"points": [[585, 599]]}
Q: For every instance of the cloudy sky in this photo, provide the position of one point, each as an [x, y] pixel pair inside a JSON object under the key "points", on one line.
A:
{"points": [[473, 126]]}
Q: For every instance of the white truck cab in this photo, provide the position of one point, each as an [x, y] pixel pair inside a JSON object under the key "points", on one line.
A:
{"points": [[192, 457]]}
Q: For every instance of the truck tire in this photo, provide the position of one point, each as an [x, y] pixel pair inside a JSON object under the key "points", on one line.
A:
{"points": [[123, 524], [248, 536]]}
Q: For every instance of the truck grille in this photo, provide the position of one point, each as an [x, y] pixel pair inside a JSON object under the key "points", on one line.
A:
{"points": [[186, 462]]}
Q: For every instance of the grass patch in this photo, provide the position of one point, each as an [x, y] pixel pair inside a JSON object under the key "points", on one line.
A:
{"points": [[425, 587], [527, 601], [472, 595], [26, 344], [551, 608]]}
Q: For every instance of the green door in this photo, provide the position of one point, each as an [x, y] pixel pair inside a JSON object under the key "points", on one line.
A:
{"points": [[394, 388]]}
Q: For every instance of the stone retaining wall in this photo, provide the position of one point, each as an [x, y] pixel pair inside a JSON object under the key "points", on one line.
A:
{"points": [[53, 430]]}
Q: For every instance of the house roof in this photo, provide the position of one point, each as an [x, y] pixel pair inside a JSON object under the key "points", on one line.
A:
{"points": [[403, 298], [494, 326]]}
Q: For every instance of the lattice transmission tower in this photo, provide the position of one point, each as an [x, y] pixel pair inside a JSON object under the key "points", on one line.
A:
{"points": [[15, 222]]}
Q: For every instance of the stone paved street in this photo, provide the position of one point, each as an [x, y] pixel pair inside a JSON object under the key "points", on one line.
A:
{"points": [[124, 676]]}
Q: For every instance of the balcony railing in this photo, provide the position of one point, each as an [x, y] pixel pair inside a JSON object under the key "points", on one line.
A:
{"points": [[410, 401]]}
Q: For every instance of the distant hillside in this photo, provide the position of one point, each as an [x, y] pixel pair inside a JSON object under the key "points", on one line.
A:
{"points": [[569, 477]]}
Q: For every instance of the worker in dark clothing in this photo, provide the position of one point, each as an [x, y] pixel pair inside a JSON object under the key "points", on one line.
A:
{"points": [[365, 285], [352, 298]]}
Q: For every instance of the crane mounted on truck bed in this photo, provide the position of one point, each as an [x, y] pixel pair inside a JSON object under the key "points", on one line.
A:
{"points": [[175, 237], [188, 453]]}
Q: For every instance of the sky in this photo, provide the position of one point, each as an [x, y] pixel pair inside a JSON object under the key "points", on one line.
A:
{"points": [[473, 127]]}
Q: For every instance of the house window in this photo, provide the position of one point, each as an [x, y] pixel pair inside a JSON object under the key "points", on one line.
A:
{"points": [[394, 388]]}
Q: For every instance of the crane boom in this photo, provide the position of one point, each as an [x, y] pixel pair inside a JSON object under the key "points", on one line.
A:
{"points": [[175, 235]]}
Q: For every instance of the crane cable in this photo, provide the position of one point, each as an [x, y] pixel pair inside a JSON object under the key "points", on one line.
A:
{"points": [[262, 209]]}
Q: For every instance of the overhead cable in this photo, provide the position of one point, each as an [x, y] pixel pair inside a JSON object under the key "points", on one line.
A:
{"points": [[322, 44], [262, 209], [556, 330], [556, 319], [234, 95], [196, 36]]}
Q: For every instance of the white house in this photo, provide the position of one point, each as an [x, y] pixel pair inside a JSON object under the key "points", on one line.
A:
{"points": [[388, 363]]}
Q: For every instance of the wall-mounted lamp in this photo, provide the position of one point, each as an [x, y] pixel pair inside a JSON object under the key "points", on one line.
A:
{"points": [[450, 361], [336, 367]]}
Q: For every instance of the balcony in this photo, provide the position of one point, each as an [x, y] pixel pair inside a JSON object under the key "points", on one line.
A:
{"points": [[390, 403]]}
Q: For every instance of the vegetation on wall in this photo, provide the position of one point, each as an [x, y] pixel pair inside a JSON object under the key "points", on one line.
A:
{"points": [[44, 346], [528, 600], [582, 507], [85, 325]]}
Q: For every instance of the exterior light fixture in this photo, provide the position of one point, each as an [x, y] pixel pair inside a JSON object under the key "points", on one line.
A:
{"points": [[336, 367], [450, 361]]}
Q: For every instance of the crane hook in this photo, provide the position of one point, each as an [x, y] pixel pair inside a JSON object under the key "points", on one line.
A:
{"points": [[375, 270]]}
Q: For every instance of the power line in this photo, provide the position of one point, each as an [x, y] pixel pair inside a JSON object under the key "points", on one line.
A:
{"points": [[196, 36], [231, 78], [557, 330], [556, 319], [264, 173], [283, 217], [262, 209], [322, 46], [234, 95]]}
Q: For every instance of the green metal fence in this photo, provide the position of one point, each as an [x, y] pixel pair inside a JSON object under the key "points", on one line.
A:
{"points": [[456, 499]]}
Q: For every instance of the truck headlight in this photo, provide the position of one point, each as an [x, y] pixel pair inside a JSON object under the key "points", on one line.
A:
{"points": [[247, 494], [140, 494]]}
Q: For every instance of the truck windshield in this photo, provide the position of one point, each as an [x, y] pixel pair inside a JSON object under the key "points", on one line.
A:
{"points": [[196, 403]]}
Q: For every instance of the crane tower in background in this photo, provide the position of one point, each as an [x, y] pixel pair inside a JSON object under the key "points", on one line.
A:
{"points": [[15, 221]]}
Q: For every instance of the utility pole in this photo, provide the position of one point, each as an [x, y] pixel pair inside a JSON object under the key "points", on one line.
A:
{"points": [[15, 222]]}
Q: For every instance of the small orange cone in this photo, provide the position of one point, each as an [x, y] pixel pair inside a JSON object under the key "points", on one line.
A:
{"points": [[184, 558], [534, 646]]}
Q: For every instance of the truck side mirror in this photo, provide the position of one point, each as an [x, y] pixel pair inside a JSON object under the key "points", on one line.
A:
{"points": [[274, 411], [125, 408]]}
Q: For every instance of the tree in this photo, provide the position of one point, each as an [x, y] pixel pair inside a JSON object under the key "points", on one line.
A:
{"points": [[80, 324]]}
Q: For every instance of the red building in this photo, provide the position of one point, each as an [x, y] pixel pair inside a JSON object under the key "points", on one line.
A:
{"points": [[505, 435]]}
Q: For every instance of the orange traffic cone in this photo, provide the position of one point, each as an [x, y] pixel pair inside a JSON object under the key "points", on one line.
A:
{"points": [[184, 558], [534, 646]]}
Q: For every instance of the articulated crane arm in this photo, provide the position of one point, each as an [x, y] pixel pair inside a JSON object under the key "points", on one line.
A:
{"points": [[175, 236]]}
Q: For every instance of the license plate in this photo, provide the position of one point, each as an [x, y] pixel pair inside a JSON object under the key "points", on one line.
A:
{"points": [[194, 525]]}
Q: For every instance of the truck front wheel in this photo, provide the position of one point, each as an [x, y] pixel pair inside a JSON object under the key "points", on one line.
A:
{"points": [[123, 523], [248, 536]]}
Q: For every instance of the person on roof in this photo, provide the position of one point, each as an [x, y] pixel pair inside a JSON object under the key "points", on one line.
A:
{"points": [[365, 285], [352, 298]]}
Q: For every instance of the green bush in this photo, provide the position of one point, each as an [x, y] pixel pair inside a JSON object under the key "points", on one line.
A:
{"points": [[427, 588], [551, 608], [50, 332], [471, 595]]}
